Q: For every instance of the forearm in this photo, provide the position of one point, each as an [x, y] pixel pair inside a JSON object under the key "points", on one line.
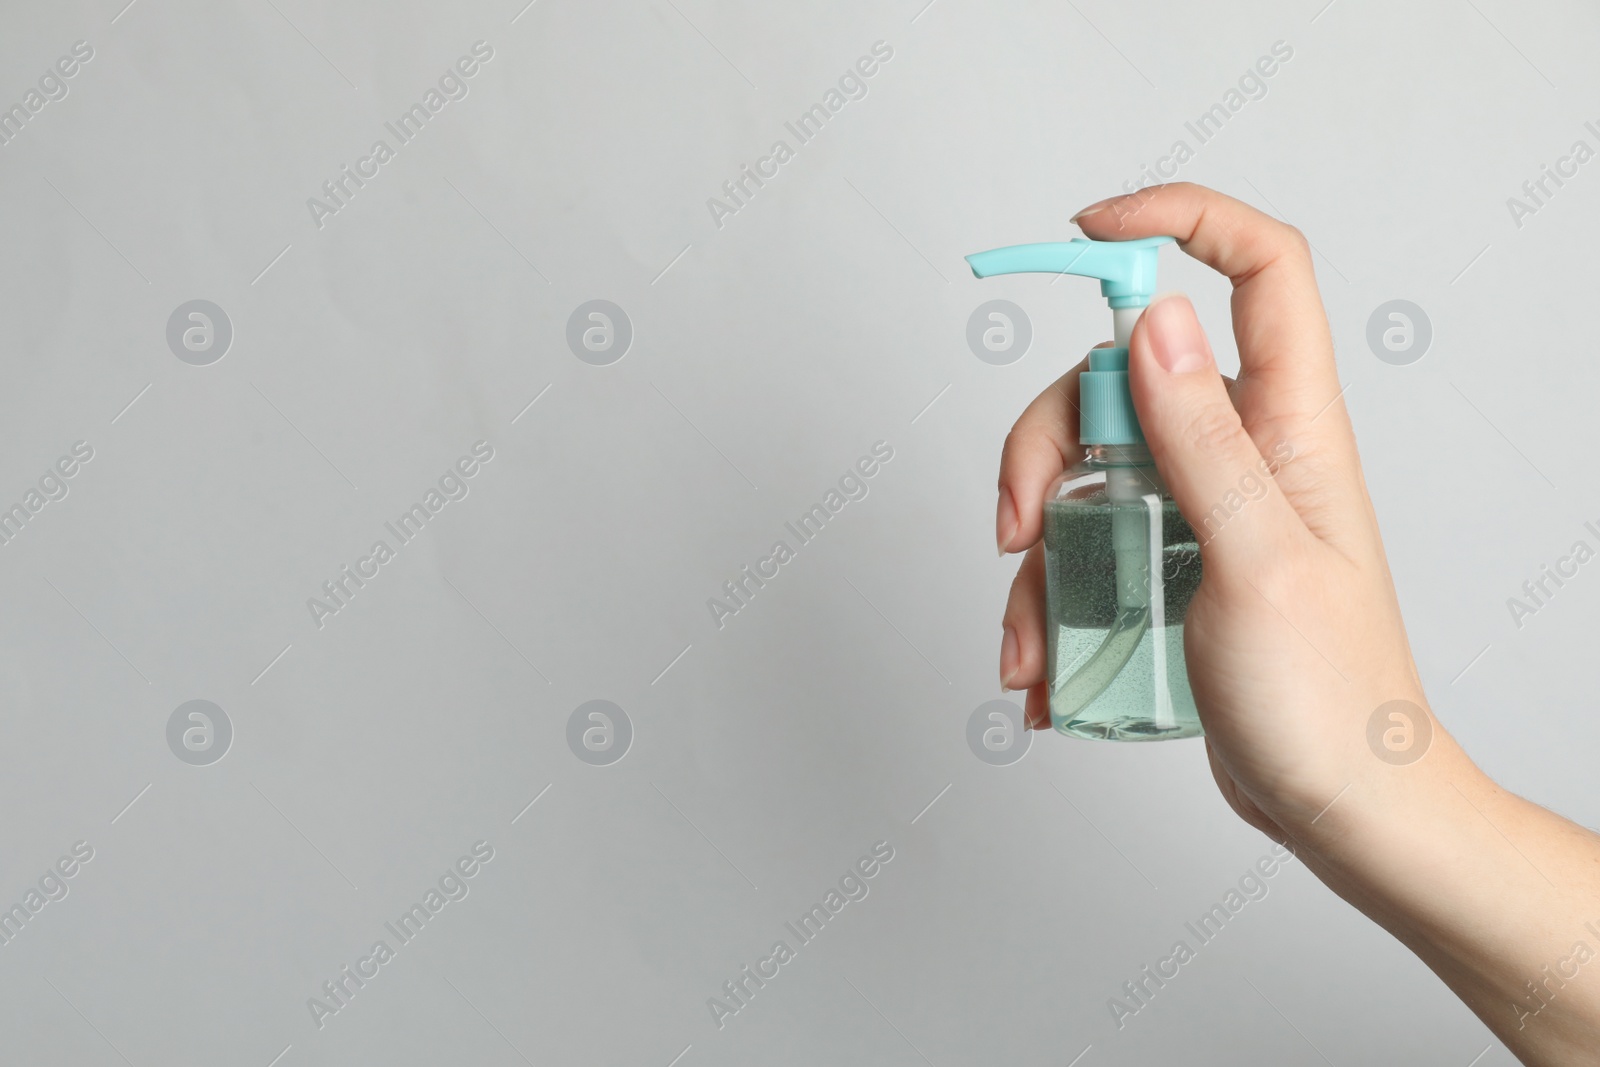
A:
{"points": [[1500, 897]]}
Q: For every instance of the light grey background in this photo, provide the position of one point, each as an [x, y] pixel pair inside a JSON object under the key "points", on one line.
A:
{"points": [[768, 355]]}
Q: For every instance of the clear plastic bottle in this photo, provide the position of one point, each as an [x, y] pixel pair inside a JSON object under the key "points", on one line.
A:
{"points": [[1121, 566]]}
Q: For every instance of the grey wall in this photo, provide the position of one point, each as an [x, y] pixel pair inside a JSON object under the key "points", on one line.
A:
{"points": [[372, 347]]}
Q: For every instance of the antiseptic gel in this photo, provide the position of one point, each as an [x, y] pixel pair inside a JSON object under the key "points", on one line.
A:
{"points": [[1120, 563]]}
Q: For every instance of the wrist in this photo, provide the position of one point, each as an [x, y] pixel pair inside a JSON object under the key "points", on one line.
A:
{"points": [[1385, 809], [1402, 843]]}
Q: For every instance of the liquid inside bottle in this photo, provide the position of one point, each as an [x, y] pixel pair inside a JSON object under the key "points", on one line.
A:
{"points": [[1121, 566]]}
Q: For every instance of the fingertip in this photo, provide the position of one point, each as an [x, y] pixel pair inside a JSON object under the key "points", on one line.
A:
{"points": [[1037, 708], [1005, 520], [1010, 657], [1171, 332], [1094, 208], [1023, 657]]}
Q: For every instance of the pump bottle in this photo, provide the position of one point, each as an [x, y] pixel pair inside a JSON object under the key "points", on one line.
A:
{"points": [[1121, 564]]}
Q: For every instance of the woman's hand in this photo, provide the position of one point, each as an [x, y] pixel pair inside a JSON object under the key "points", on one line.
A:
{"points": [[1316, 724], [1294, 638]]}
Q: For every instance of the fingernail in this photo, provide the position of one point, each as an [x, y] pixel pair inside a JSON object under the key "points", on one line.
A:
{"points": [[1094, 208], [1037, 718], [1005, 521], [1175, 336], [1010, 658]]}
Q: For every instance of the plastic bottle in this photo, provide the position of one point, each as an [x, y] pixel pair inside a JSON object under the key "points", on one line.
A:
{"points": [[1120, 563]]}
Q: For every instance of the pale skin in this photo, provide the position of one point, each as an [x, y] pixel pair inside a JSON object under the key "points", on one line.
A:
{"points": [[1295, 638]]}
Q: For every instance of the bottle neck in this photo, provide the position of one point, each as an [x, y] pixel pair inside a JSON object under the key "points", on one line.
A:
{"points": [[1130, 473], [1119, 455]]}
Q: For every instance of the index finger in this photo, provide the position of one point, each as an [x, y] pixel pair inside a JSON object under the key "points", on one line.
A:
{"points": [[1042, 444], [1278, 320]]}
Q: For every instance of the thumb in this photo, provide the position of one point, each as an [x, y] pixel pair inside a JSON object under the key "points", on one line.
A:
{"points": [[1211, 466]]}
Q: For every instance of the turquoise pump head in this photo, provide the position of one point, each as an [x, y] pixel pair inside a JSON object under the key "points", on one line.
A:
{"points": [[1127, 273]]}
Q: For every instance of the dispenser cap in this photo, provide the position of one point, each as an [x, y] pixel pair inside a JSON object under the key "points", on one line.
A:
{"points": [[1127, 273]]}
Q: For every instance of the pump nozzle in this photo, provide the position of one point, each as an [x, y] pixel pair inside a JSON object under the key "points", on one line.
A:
{"points": [[1126, 269], [1127, 273]]}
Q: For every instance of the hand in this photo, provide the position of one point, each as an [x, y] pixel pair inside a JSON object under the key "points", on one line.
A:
{"points": [[1294, 638]]}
